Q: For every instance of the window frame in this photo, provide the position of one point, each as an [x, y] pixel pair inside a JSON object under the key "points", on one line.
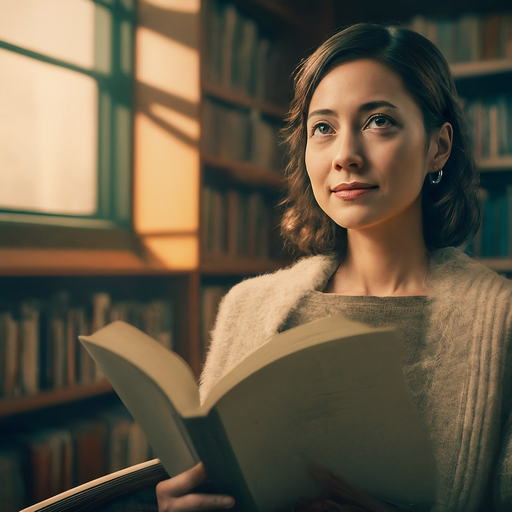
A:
{"points": [[114, 20]]}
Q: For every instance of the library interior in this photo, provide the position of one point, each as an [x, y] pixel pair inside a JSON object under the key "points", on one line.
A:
{"points": [[142, 170]]}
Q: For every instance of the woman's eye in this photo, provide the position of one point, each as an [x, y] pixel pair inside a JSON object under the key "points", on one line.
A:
{"points": [[380, 121], [321, 129]]}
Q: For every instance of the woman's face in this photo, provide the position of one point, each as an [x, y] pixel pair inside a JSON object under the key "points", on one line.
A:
{"points": [[364, 127]]}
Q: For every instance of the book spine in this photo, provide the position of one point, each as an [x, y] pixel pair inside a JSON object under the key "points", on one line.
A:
{"points": [[488, 218], [509, 209], [39, 346], [214, 450], [504, 224]]}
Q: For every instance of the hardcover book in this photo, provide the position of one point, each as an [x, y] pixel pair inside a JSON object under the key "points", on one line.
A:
{"points": [[330, 393]]}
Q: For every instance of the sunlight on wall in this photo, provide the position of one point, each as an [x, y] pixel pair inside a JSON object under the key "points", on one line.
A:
{"points": [[185, 124], [57, 28], [166, 181], [176, 252], [167, 65], [166, 165]]}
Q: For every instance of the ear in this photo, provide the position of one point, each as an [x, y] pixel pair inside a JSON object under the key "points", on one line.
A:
{"points": [[441, 147]]}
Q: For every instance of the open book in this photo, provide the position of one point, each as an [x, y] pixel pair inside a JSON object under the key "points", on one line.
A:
{"points": [[329, 393], [119, 488]]}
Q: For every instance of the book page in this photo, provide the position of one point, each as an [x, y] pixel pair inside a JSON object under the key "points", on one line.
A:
{"points": [[343, 404], [155, 385]]}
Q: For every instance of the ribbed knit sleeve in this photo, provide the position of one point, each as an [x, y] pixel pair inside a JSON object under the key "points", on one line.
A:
{"points": [[502, 479]]}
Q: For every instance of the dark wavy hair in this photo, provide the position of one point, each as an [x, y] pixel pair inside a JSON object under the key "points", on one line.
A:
{"points": [[451, 212]]}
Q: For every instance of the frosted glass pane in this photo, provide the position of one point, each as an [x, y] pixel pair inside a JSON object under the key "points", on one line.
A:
{"points": [[48, 138], [62, 29]]}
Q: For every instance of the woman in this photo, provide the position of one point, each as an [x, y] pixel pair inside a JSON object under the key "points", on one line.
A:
{"points": [[382, 193]]}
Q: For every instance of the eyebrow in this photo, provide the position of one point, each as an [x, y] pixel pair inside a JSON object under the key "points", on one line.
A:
{"points": [[371, 105]]}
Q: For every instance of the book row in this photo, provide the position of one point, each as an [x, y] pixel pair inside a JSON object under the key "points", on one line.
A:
{"points": [[469, 37], [237, 52], [36, 465], [240, 135], [491, 125], [494, 239], [235, 223], [39, 346]]}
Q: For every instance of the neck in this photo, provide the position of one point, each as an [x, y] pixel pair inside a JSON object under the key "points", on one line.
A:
{"points": [[383, 262]]}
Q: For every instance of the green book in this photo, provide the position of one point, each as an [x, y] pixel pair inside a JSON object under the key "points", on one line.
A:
{"points": [[329, 393]]}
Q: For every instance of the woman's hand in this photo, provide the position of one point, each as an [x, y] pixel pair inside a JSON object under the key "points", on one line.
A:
{"points": [[174, 495]]}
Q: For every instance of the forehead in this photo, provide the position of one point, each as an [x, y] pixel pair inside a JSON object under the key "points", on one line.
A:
{"points": [[351, 84]]}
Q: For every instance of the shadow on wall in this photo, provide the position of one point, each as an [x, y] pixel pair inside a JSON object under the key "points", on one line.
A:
{"points": [[162, 93]]}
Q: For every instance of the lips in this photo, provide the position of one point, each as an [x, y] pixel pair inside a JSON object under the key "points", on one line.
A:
{"points": [[353, 190], [352, 186]]}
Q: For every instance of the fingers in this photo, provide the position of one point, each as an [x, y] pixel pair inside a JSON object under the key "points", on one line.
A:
{"points": [[173, 495], [193, 502], [184, 482]]}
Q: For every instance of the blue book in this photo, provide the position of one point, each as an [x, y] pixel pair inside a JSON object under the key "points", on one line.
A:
{"points": [[509, 211], [503, 224], [488, 208]]}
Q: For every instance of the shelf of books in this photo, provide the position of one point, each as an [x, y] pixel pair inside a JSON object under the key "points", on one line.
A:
{"points": [[479, 50], [245, 66], [39, 461], [57, 409]]}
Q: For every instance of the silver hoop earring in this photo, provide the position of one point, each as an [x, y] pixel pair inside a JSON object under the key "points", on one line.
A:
{"points": [[438, 179]]}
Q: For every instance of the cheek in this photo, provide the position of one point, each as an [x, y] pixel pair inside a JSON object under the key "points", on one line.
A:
{"points": [[316, 165], [402, 159], [311, 168]]}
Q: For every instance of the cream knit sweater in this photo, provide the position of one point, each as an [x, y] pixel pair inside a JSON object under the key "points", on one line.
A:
{"points": [[467, 363]]}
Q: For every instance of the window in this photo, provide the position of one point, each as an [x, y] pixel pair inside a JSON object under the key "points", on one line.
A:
{"points": [[66, 111]]}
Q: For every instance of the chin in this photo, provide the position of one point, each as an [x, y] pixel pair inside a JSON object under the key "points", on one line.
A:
{"points": [[352, 223]]}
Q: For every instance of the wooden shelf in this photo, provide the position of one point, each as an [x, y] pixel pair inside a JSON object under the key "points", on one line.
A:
{"points": [[64, 262], [276, 9], [473, 69], [246, 172], [239, 266], [243, 100], [502, 163], [10, 407], [498, 264], [276, 14]]}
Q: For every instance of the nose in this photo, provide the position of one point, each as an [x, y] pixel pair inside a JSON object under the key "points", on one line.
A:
{"points": [[348, 156]]}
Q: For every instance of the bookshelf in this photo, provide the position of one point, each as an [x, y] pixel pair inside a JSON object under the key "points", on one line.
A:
{"points": [[476, 40]]}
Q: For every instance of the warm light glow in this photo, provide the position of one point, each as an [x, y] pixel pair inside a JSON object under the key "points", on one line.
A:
{"points": [[175, 252], [48, 132], [61, 29], [191, 6], [166, 183], [166, 134], [180, 122], [167, 65]]}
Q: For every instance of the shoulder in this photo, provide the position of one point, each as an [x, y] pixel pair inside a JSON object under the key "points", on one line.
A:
{"points": [[309, 272], [252, 311], [452, 266], [465, 287], [260, 304]]}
